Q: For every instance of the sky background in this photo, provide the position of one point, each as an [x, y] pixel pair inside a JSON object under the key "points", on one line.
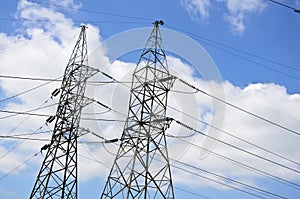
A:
{"points": [[253, 43]]}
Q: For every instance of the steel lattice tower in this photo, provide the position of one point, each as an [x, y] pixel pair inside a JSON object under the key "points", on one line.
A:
{"points": [[57, 177], [141, 168]]}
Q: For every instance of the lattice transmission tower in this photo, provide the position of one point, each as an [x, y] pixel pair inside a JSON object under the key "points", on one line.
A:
{"points": [[57, 177], [141, 168]]}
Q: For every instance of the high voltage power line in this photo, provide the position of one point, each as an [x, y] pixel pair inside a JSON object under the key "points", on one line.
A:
{"points": [[94, 11], [102, 119], [285, 181], [182, 169], [229, 49], [116, 120], [114, 80], [96, 119], [200, 121], [24, 112], [215, 44], [31, 78], [245, 166], [256, 189], [234, 136], [28, 90], [240, 109], [82, 118], [69, 21], [19, 166], [41, 140], [285, 5], [223, 101], [235, 147]]}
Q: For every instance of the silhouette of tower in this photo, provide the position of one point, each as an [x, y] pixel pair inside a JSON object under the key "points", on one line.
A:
{"points": [[141, 168], [57, 177]]}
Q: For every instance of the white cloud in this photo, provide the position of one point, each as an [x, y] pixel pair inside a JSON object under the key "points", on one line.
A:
{"points": [[265, 99], [197, 8], [42, 50], [66, 3], [238, 10]]}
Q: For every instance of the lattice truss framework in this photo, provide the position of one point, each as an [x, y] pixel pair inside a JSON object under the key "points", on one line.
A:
{"points": [[141, 168], [57, 177]]}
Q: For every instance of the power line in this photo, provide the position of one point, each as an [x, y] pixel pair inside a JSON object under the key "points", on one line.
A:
{"points": [[252, 188], [209, 41], [221, 100], [94, 11], [239, 108], [256, 189], [207, 178], [16, 137], [25, 113], [20, 123], [190, 192], [286, 6], [235, 147], [22, 138], [18, 144], [23, 41], [28, 90], [229, 179], [222, 46], [17, 113], [17, 167], [234, 136], [57, 80], [246, 166], [70, 21], [99, 162], [218, 182], [92, 119], [103, 119], [44, 115], [31, 78], [243, 165], [29, 134], [197, 89]]}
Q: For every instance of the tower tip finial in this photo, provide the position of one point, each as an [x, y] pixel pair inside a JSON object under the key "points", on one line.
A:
{"points": [[82, 25], [158, 22]]}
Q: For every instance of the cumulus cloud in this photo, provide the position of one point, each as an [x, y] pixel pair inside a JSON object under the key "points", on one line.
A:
{"points": [[66, 3], [39, 48], [197, 8], [237, 11], [268, 100], [43, 49]]}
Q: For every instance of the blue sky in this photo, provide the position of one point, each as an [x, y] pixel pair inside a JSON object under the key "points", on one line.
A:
{"points": [[254, 44]]}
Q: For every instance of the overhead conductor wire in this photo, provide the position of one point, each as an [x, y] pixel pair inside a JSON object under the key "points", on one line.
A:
{"points": [[289, 183]]}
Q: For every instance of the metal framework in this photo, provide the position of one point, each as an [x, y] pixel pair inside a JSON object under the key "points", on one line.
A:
{"points": [[141, 168], [57, 177]]}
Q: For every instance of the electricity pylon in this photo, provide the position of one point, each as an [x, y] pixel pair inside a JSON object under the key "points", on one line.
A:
{"points": [[57, 177], [141, 168]]}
